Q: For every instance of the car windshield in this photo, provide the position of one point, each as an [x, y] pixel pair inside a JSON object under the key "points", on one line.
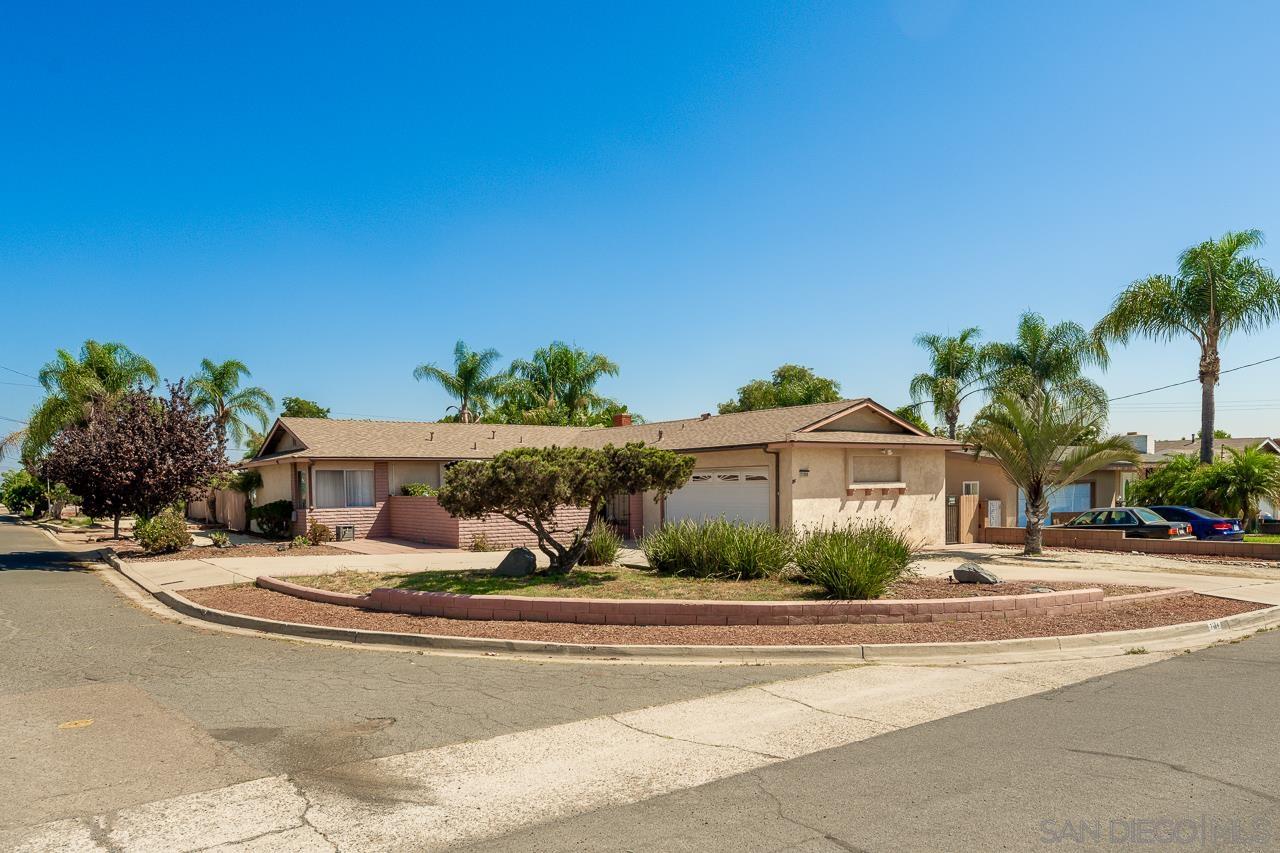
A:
{"points": [[1147, 515]]}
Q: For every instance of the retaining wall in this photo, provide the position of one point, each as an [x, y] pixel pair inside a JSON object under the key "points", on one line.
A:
{"points": [[1114, 540], [665, 612]]}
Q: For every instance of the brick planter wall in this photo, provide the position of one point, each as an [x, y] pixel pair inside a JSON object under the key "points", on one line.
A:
{"points": [[422, 519], [665, 612], [1114, 540]]}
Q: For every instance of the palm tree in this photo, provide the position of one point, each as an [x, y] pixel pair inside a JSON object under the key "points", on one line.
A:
{"points": [[1244, 478], [470, 382], [957, 369], [1043, 442], [1049, 359], [558, 384], [216, 390], [102, 372], [1217, 291]]}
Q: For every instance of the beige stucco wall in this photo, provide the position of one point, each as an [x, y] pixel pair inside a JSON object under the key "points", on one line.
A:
{"points": [[863, 420], [992, 484], [399, 473], [820, 499], [277, 484]]}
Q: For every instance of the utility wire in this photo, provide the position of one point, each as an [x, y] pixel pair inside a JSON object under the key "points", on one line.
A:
{"points": [[1189, 381], [19, 372], [15, 420]]}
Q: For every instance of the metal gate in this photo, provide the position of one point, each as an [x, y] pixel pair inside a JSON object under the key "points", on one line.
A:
{"points": [[953, 519]]}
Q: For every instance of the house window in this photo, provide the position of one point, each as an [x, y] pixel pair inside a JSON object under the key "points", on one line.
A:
{"points": [[969, 487], [1076, 497], [344, 488]]}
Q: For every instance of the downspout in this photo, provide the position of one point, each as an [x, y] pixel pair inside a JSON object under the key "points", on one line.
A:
{"points": [[777, 487]]}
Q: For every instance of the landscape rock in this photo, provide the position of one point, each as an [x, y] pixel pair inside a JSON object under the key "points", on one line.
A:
{"points": [[973, 573], [518, 563]]}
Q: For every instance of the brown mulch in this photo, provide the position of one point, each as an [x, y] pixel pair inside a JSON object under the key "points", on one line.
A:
{"points": [[919, 587], [253, 601], [135, 554]]}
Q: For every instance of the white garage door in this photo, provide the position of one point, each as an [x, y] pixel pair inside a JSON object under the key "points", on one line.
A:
{"points": [[737, 494]]}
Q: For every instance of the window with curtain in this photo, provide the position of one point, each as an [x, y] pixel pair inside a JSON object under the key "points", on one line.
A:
{"points": [[343, 488]]}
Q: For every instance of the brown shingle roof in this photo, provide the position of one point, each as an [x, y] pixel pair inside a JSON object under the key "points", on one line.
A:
{"points": [[1185, 447], [361, 439]]}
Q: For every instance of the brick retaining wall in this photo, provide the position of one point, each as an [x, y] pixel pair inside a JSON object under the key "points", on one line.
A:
{"points": [[1114, 540], [615, 611]]}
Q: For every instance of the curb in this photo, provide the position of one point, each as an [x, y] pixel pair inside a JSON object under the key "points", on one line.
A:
{"points": [[1187, 636]]}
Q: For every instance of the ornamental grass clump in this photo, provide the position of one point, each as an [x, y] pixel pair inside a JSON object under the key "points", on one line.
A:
{"points": [[857, 561], [603, 548], [719, 549]]}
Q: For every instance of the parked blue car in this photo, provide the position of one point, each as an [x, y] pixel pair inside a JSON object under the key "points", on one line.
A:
{"points": [[1205, 524]]}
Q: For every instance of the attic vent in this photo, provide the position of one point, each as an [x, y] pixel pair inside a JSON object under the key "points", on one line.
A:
{"points": [[704, 416], [659, 435], [493, 433], [431, 436]]}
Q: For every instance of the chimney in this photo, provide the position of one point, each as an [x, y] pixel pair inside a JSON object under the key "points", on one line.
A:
{"points": [[621, 419]]}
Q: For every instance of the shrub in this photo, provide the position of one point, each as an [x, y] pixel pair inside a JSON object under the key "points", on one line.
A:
{"points": [[603, 548], [855, 561], [273, 518], [718, 549], [163, 533], [20, 492], [220, 539], [418, 490], [299, 541], [480, 542], [318, 534]]}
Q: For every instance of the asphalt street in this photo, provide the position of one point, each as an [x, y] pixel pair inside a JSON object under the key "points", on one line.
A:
{"points": [[122, 731]]}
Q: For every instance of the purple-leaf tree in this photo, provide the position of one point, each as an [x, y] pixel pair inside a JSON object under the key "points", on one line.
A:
{"points": [[138, 454]]}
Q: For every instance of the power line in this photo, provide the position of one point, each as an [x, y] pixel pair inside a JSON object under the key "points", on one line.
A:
{"points": [[15, 420], [19, 372], [21, 384], [1189, 381]]}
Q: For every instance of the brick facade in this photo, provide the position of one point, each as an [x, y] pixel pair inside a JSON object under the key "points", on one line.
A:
{"points": [[422, 519]]}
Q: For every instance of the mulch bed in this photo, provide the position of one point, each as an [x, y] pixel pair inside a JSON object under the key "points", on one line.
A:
{"points": [[135, 554], [254, 601], [918, 587]]}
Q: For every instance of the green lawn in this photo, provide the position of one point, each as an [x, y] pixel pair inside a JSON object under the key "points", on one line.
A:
{"points": [[612, 582], [1271, 538]]}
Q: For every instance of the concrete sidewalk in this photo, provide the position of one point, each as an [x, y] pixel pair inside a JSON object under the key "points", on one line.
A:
{"points": [[224, 571]]}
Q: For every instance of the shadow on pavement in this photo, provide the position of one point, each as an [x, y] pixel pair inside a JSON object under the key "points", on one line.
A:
{"points": [[51, 560]]}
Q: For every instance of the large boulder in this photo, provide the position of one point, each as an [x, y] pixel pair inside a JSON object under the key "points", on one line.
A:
{"points": [[973, 573], [518, 563]]}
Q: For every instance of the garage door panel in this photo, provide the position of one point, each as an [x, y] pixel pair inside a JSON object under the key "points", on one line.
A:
{"points": [[739, 494]]}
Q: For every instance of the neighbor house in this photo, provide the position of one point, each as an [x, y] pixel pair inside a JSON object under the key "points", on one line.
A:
{"points": [[801, 466], [1191, 447]]}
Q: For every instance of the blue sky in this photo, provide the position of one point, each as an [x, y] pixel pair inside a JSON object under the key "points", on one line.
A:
{"points": [[700, 191]]}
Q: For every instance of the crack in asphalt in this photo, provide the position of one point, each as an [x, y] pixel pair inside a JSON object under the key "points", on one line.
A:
{"points": [[1178, 768], [634, 728], [888, 726], [779, 810]]}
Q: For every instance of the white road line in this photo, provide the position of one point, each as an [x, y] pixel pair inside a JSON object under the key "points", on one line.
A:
{"points": [[431, 799]]}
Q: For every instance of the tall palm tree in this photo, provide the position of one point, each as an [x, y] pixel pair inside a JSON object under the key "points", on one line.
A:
{"points": [[1049, 359], [1042, 442], [101, 372], [1218, 290], [557, 385], [216, 390], [470, 382], [957, 369]]}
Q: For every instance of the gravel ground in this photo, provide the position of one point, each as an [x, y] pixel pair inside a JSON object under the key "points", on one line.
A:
{"points": [[208, 552], [253, 601]]}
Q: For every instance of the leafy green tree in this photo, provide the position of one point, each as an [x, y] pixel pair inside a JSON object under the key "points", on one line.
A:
{"points": [[470, 382], [558, 386], [1048, 359], [216, 391], [1043, 442], [1221, 433], [101, 372], [296, 407], [1217, 291], [957, 370], [529, 485], [911, 414], [138, 454], [789, 385], [20, 492]]}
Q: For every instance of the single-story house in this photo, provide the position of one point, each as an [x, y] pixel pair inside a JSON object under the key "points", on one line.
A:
{"points": [[1191, 447], [800, 466]]}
